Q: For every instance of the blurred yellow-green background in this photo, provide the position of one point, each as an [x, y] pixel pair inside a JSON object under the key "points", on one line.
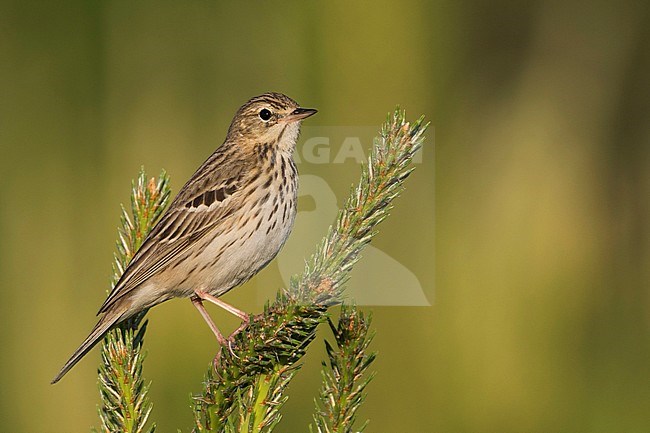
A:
{"points": [[526, 223]]}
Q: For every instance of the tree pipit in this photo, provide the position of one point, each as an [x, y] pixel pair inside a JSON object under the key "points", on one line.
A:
{"points": [[226, 223]]}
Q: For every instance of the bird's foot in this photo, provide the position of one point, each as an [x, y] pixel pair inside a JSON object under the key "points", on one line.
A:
{"points": [[241, 327], [231, 338]]}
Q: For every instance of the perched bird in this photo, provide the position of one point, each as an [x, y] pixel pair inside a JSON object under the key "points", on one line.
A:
{"points": [[226, 223]]}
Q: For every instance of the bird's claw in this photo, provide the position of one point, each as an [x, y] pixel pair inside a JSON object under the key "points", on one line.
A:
{"points": [[231, 337]]}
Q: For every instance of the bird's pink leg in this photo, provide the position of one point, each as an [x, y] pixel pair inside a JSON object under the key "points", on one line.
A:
{"points": [[216, 301], [198, 303], [237, 312]]}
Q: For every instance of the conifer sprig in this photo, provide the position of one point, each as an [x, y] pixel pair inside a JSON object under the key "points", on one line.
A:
{"points": [[125, 406], [345, 378]]}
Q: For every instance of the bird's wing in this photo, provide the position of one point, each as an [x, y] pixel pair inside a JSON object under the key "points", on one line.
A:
{"points": [[205, 202]]}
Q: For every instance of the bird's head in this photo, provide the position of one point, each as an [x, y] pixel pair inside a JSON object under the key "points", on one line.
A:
{"points": [[271, 118]]}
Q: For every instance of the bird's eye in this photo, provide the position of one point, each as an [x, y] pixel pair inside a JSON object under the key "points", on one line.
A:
{"points": [[265, 114]]}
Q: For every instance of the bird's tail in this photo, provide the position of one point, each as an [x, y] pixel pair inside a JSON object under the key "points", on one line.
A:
{"points": [[105, 323]]}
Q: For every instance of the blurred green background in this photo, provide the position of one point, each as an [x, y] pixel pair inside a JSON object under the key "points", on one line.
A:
{"points": [[534, 202]]}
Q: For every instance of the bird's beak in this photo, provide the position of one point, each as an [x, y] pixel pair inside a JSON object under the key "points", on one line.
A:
{"points": [[299, 114]]}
